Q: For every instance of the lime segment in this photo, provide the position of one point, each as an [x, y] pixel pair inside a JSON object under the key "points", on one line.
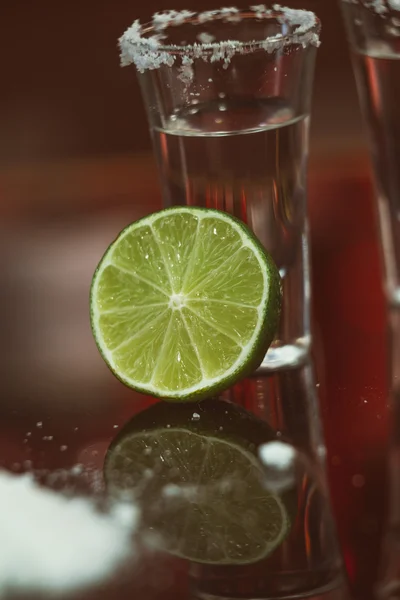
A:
{"points": [[184, 303]]}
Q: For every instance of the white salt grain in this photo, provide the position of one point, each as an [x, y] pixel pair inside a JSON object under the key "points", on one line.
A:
{"points": [[53, 544], [379, 6], [77, 469]]}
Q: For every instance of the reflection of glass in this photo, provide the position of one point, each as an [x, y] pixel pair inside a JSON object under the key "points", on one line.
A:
{"points": [[374, 33], [229, 121], [235, 496]]}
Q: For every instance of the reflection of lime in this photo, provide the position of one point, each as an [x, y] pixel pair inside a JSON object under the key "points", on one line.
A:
{"points": [[184, 303], [194, 470]]}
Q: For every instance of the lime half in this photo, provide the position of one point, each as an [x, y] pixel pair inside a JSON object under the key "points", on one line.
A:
{"points": [[199, 484], [184, 303]]}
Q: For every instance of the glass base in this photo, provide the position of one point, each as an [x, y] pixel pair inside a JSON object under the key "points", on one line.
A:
{"points": [[336, 590]]}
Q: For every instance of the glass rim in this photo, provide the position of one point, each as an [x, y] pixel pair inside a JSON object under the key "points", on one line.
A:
{"points": [[142, 44]]}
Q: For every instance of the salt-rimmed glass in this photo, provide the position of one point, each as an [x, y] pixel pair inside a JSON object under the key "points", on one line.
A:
{"points": [[373, 28], [228, 96]]}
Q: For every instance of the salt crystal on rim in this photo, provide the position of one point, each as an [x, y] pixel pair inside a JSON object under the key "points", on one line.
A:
{"points": [[302, 19], [231, 14], [208, 15], [139, 46], [171, 18], [380, 7]]}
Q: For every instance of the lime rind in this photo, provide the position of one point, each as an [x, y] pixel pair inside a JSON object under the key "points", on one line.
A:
{"points": [[150, 376]]}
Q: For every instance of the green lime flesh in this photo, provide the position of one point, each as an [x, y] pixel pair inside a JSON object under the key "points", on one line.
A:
{"points": [[184, 303]]}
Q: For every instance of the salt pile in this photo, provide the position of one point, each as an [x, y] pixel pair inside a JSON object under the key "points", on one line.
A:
{"points": [[50, 543]]}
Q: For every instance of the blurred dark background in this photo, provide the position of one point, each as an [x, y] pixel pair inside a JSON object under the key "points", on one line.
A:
{"points": [[64, 96], [76, 166]]}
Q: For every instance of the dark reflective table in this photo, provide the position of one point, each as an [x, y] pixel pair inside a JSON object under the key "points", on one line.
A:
{"points": [[60, 406]]}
